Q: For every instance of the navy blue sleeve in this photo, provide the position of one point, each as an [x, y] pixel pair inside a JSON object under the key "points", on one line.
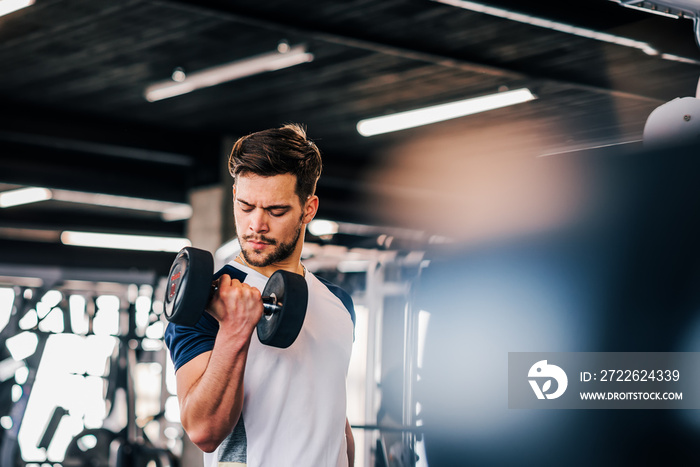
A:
{"points": [[232, 272], [344, 297], [184, 342]]}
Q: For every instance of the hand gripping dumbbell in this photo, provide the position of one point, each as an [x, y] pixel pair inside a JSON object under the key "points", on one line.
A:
{"points": [[190, 289]]}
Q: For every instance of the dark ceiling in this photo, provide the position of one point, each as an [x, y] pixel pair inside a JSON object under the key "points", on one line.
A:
{"points": [[74, 116]]}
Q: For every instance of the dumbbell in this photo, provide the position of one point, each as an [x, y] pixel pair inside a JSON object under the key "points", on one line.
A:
{"points": [[190, 288]]}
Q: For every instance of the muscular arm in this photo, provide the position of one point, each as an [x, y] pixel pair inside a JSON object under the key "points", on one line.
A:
{"points": [[210, 386], [210, 391]]}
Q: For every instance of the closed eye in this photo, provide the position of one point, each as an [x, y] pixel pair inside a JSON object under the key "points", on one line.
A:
{"points": [[245, 207], [273, 210]]}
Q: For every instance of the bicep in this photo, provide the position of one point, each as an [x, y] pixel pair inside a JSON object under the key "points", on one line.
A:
{"points": [[188, 374]]}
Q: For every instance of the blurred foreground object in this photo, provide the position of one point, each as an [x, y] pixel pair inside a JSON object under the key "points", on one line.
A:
{"points": [[675, 122], [621, 275]]}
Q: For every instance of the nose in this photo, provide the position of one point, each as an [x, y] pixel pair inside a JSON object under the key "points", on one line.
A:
{"points": [[258, 221]]}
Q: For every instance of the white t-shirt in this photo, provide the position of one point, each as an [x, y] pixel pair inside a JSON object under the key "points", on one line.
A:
{"points": [[294, 404]]}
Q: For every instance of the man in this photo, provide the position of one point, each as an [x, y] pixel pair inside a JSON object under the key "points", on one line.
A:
{"points": [[242, 402]]}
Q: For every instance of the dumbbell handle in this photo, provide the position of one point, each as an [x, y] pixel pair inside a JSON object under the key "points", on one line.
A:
{"points": [[270, 303]]}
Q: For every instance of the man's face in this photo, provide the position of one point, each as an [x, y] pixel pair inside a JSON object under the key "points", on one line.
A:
{"points": [[269, 217]]}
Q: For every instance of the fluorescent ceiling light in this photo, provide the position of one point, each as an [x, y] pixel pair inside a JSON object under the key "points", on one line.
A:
{"points": [[668, 8], [272, 61], [124, 242], [170, 211], [23, 196], [678, 58], [321, 227], [441, 112], [549, 24], [8, 6]]}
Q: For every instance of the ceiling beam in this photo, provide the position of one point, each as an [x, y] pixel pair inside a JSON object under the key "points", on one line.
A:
{"points": [[44, 147], [24, 164], [269, 20], [63, 128]]}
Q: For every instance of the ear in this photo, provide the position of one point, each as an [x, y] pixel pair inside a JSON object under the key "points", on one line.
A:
{"points": [[233, 190], [310, 209]]}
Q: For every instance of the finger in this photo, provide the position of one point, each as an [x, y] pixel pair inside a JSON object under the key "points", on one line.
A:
{"points": [[224, 278]]}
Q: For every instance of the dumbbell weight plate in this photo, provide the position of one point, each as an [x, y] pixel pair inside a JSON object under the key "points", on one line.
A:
{"points": [[281, 328], [189, 291], [189, 285]]}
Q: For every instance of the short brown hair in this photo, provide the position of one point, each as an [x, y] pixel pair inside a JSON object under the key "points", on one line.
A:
{"points": [[278, 151]]}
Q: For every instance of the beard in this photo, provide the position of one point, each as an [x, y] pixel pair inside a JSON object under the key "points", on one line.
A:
{"points": [[281, 251]]}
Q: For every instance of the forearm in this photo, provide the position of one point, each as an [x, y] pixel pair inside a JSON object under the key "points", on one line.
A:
{"points": [[211, 407]]}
